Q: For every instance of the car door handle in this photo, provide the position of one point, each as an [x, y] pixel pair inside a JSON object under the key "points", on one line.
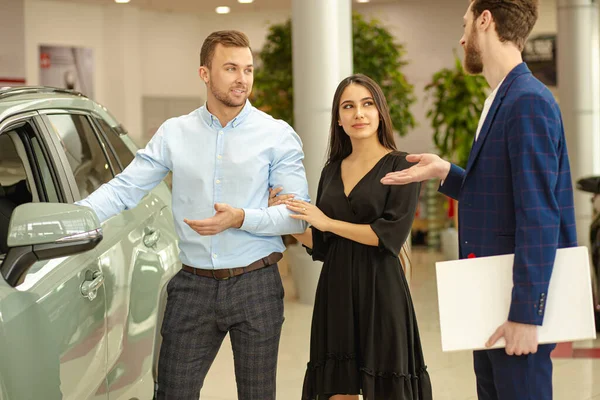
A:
{"points": [[151, 237], [89, 288]]}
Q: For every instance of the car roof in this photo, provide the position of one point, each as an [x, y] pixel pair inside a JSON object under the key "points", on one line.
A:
{"points": [[20, 99]]}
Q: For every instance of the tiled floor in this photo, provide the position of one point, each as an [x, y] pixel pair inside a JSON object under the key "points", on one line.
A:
{"points": [[451, 373]]}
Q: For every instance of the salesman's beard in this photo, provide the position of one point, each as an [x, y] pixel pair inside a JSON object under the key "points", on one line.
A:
{"points": [[473, 63]]}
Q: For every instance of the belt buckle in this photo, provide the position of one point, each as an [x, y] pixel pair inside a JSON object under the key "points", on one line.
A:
{"points": [[223, 279]]}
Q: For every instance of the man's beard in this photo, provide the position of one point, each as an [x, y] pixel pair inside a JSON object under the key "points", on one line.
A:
{"points": [[225, 99], [473, 63]]}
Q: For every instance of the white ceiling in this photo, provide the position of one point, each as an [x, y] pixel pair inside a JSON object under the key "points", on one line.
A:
{"points": [[202, 6]]}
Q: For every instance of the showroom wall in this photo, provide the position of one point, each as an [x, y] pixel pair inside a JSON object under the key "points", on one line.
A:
{"points": [[12, 43], [142, 54], [431, 29]]}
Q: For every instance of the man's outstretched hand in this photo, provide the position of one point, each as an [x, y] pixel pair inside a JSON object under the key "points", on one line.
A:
{"points": [[428, 166]]}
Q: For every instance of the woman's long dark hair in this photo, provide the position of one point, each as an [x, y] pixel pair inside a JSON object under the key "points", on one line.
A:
{"points": [[340, 145]]}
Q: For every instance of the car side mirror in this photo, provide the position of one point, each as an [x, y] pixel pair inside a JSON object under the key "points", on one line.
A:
{"points": [[43, 231]]}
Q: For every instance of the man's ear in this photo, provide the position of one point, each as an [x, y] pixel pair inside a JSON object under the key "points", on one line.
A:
{"points": [[485, 20], [204, 74]]}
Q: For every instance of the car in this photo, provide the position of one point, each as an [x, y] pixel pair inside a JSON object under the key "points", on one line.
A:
{"points": [[81, 302]]}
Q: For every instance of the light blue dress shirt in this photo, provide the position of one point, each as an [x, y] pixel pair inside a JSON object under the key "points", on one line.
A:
{"points": [[235, 164]]}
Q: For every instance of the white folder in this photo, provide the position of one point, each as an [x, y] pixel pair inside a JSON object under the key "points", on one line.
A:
{"points": [[474, 298]]}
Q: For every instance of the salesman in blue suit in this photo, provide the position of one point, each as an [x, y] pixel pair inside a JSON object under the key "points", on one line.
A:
{"points": [[515, 195]]}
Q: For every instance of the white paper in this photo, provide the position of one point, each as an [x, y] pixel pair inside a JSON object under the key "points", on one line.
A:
{"points": [[474, 298]]}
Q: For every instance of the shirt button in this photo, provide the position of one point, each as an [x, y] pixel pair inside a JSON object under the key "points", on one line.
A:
{"points": [[214, 255], [218, 181], [219, 157], [220, 132]]}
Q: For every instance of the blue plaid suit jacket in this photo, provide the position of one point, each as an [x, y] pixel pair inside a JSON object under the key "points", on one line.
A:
{"points": [[516, 195]]}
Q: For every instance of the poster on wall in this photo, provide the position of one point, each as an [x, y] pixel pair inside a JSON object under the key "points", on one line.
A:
{"points": [[68, 68], [11, 82], [540, 56]]}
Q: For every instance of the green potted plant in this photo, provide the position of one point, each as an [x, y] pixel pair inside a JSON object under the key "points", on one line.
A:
{"points": [[273, 90], [454, 114], [457, 102], [377, 55]]}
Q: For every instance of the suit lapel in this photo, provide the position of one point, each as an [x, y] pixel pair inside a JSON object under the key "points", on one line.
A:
{"points": [[489, 119]]}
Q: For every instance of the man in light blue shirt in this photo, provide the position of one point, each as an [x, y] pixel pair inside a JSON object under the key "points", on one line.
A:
{"points": [[224, 156]]}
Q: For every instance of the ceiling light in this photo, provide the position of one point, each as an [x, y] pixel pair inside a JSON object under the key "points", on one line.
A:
{"points": [[362, 1], [245, 1], [121, 1], [223, 10]]}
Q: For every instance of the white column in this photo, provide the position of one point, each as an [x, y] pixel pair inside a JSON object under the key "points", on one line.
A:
{"points": [[123, 67], [579, 96], [322, 57]]}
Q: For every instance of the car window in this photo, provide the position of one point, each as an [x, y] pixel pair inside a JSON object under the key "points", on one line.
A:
{"points": [[49, 186], [14, 188], [111, 154], [84, 153], [123, 153], [12, 169]]}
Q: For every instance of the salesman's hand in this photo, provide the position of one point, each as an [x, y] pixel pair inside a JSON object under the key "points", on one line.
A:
{"points": [[521, 339], [225, 218], [276, 199], [428, 166]]}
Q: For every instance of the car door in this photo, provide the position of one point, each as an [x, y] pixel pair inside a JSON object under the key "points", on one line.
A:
{"points": [[154, 260], [52, 328], [138, 255]]}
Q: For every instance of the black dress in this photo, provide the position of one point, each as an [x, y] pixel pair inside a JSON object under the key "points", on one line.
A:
{"points": [[364, 336]]}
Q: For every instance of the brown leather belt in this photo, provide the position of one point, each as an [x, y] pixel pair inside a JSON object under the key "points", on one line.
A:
{"points": [[224, 274]]}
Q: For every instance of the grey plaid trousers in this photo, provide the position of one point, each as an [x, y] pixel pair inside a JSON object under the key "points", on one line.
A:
{"points": [[200, 311]]}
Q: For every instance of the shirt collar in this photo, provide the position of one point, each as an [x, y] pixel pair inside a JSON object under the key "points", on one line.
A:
{"points": [[211, 119], [495, 91]]}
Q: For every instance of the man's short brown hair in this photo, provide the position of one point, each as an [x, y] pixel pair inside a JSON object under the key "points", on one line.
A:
{"points": [[225, 38], [514, 18]]}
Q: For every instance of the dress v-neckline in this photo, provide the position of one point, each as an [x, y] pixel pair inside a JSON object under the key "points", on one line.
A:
{"points": [[361, 179]]}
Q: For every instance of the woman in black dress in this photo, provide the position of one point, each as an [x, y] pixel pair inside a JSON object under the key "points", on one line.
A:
{"points": [[364, 337]]}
